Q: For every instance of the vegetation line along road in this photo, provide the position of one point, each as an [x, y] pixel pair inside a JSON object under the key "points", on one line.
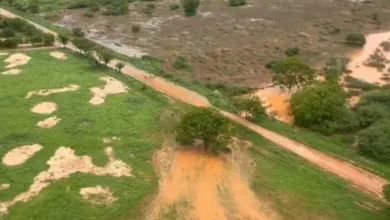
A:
{"points": [[360, 178]]}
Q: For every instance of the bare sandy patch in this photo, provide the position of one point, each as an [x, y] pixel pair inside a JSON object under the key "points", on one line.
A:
{"points": [[63, 164], [20, 154], [113, 86], [17, 59], [4, 186], [47, 92], [44, 108], [3, 54], [98, 195], [49, 122], [108, 140], [210, 187], [353, 101], [58, 55], [277, 102], [12, 72]]}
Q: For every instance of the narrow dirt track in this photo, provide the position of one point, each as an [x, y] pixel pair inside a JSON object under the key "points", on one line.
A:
{"points": [[358, 177]]}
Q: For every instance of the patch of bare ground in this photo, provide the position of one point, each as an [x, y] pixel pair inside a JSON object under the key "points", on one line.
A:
{"points": [[49, 122], [63, 164], [20, 155], [44, 108], [58, 55], [112, 87], [17, 59], [47, 92], [4, 186], [12, 72], [98, 195], [204, 186], [108, 140]]}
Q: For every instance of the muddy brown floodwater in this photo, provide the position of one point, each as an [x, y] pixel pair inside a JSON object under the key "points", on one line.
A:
{"points": [[367, 73]]}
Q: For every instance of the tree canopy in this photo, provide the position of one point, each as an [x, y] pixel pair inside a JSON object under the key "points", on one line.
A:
{"points": [[251, 107], [291, 72], [208, 125]]}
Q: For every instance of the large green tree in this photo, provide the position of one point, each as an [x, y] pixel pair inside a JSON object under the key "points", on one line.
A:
{"points": [[292, 72], [318, 104], [208, 125], [374, 141]]}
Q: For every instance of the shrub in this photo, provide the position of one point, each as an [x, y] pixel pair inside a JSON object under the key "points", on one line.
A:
{"points": [[174, 6], [135, 28], [78, 32], [88, 13], [7, 33], [190, 7], [33, 6], [377, 96], [371, 113], [293, 51], [37, 40], [10, 43], [354, 83], [374, 141], [386, 192], [48, 39], [94, 6], [357, 39], [119, 66], [385, 45], [63, 39], [335, 67], [235, 3], [78, 4], [149, 9], [181, 63]]}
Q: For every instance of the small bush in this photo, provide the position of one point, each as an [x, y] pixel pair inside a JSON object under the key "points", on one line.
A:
{"points": [[190, 7], [374, 141], [357, 39], [181, 63], [292, 51], [88, 13], [78, 32], [385, 45], [9, 43], [235, 3], [78, 4], [359, 84], [386, 192], [370, 113], [37, 40], [174, 6], [135, 28], [94, 6], [149, 9], [7, 33], [48, 39]]}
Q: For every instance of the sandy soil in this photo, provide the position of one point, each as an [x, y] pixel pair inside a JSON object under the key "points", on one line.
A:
{"points": [[47, 92], [366, 73], [112, 87], [4, 186], [21, 154], [108, 140], [44, 108], [12, 72], [202, 186], [3, 54], [277, 102], [98, 195], [63, 164], [58, 55], [17, 59], [49, 122], [353, 101]]}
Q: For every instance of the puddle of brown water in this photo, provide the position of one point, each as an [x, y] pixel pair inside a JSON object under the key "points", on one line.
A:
{"points": [[356, 65]]}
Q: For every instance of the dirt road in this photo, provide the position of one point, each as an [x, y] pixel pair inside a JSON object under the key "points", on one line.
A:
{"points": [[360, 178]]}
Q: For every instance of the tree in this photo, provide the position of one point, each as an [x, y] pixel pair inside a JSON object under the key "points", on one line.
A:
{"points": [[357, 39], [119, 66], [190, 7], [292, 72], [208, 125], [317, 104], [63, 39], [374, 141], [104, 55], [386, 192], [84, 45], [251, 107]]}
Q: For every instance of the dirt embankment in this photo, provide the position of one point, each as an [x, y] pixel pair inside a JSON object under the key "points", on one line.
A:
{"points": [[196, 185]]}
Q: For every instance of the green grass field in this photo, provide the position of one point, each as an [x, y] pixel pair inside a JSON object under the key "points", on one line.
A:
{"points": [[295, 188]]}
